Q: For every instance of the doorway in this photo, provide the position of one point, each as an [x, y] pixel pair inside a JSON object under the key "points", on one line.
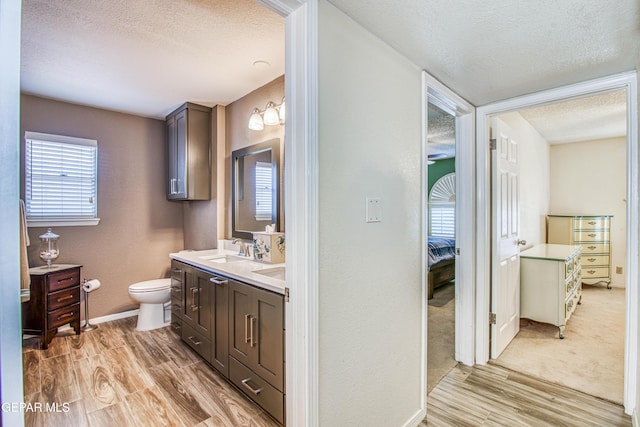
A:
{"points": [[627, 83]]}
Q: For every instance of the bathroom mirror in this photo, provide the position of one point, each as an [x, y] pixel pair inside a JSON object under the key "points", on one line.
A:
{"points": [[255, 175]]}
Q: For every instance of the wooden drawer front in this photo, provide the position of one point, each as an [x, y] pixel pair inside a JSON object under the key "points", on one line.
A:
{"points": [[597, 223], [63, 298], [591, 236], [594, 272], [196, 341], [570, 285], [176, 324], [63, 315], [64, 279], [588, 260], [569, 268], [595, 248], [570, 306], [260, 391]]}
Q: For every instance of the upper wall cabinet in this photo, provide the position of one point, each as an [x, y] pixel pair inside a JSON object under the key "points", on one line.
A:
{"points": [[189, 146]]}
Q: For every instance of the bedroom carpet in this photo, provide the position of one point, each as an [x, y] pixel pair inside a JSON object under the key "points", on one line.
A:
{"points": [[589, 358], [440, 332]]}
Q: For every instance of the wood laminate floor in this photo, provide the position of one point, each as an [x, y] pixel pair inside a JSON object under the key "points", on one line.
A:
{"points": [[491, 395], [117, 376]]}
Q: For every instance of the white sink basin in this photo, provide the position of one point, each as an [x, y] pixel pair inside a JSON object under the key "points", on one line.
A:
{"points": [[275, 272], [224, 259]]}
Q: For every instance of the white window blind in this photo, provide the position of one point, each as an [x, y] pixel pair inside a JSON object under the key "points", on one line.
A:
{"points": [[264, 191], [61, 185], [442, 207]]}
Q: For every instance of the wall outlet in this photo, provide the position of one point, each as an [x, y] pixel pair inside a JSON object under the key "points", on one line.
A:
{"points": [[374, 209], [618, 270]]}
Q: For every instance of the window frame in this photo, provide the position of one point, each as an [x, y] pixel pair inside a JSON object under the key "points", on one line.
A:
{"points": [[60, 220]]}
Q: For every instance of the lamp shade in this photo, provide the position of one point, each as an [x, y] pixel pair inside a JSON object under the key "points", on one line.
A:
{"points": [[255, 121], [271, 115]]}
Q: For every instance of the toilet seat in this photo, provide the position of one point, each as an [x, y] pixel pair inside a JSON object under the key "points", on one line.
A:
{"points": [[150, 286]]}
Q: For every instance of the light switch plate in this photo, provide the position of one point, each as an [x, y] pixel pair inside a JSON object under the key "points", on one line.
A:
{"points": [[374, 209]]}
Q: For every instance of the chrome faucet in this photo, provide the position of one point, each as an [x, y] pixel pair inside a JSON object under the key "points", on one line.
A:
{"points": [[244, 250]]}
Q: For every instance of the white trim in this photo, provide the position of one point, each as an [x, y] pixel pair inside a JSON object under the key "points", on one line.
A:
{"points": [[465, 212], [62, 139], [103, 319], [627, 81], [62, 222], [11, 381]]}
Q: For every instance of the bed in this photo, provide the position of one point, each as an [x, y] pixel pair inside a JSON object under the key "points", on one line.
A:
{"points": [[441, 263]]}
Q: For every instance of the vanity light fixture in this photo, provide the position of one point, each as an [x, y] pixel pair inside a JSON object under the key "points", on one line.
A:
{"points": [[272, 115]]}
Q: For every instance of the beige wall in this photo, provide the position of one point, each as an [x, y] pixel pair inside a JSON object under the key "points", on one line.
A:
{"points": [[589, 178], [370, 300], [138, 227], [534, 170], [238, 135]]}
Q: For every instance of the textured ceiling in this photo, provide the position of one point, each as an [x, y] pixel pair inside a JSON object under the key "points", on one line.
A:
{"points": [[493, 50], [148, 56]]}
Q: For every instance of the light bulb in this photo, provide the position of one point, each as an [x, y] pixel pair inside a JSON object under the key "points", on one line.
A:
{"points": [[271, 115], [282, 112], [255, 121]]}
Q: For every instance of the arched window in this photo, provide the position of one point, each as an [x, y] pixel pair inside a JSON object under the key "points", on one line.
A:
{"points": [[442, 207]]}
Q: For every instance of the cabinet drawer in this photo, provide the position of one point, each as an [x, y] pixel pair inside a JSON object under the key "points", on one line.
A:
{"points": [[591, 236], [63, 315], [589, 260], [591, 223], [595, 248], [176, 324], [570, 285], [196, 341], [594, 272], [63, 298], [63, 279], [260, 391]]}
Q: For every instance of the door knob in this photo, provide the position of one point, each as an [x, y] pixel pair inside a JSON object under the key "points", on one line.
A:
{"points": [[522, 242]]}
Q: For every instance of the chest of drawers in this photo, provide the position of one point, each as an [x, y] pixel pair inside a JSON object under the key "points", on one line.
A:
{"points": [[593, 234], [54, 302], [550, 283]]}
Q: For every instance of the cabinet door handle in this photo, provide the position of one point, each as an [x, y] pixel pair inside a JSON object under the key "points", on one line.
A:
{"points": [[252, 342], [218, 281], [64, 298], [194, 341], [176, 270], [255, 391], [194, 307], [246, 327]]}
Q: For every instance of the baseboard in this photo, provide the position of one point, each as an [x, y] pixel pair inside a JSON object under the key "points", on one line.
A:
{"points": [[635, 421], [106, 318], [416, 419]]}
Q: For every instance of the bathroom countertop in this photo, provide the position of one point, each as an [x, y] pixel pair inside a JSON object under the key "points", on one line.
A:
{"points": [[245, 270]]}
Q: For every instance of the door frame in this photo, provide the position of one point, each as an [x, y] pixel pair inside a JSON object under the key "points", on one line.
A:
{"points": [[464, 113], [628, 82]]}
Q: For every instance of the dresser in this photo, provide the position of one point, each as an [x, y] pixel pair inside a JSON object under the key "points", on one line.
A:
{"points": [[592, 232], [54, 302], [550, 283]]}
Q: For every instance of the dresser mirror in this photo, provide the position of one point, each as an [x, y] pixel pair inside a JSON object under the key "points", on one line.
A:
{"points": [[255, 172]]}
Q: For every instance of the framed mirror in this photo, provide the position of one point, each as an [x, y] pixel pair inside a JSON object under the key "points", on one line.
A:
{"points": [[255, 174]]}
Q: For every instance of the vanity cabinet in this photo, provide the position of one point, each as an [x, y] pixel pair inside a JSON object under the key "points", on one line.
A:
{"points": [[256, 345], [550, 283], [189, 153], [593, 234], [199, 312], [54, 301]]}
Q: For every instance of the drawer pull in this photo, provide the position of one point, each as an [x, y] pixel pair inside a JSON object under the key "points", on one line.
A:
{"points": [[591, 271], [591, 259], [218, 281], [176, 326], [65, 279], [64, 298], [591, 247], [591, 234], [194, 340], [65, 316], [255, 391], [176, 270], [177, 307], [592, 223], [176, 289]]}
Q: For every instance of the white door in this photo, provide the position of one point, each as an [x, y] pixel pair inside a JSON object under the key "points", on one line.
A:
{"points": [[505, 243]]}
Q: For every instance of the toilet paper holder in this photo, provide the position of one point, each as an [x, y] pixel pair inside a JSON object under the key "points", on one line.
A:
{"points": [[88, 286]]}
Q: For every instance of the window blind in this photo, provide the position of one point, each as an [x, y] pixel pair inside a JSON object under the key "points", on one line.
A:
{"points": [[264, 191], [442, 220], [60, 177]]}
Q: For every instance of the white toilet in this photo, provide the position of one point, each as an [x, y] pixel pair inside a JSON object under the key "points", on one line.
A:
{"points": [[152, 295]]}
